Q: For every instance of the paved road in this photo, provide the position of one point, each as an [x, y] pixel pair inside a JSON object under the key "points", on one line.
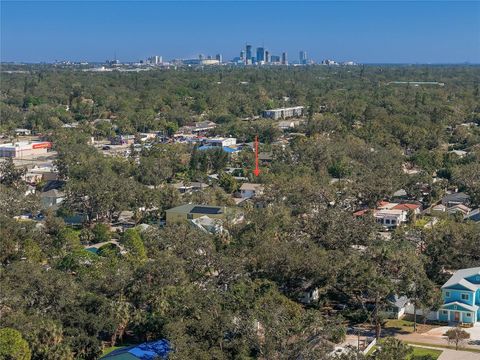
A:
{"points": [[458, 355], [435, 337]]}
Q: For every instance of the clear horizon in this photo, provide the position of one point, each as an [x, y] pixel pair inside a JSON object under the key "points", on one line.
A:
{"points": [[366, 32]]}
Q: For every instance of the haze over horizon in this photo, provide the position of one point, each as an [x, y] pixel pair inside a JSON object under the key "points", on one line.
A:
{"points": [[365, 32]]}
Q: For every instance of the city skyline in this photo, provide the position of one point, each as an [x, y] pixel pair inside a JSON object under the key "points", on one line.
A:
{"points": [[365, 32]]}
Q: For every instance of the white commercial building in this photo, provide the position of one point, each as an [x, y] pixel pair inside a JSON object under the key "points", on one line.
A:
{"points": [[221, 142], [283, 113], [23, 149]]}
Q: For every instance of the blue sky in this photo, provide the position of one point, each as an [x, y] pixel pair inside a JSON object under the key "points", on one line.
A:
{"points": [[380, 31]]}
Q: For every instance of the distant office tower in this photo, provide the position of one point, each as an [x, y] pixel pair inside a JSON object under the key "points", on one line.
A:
{"points": [[275, 59], [242, 55], [200, 57], [219, 58], [303, 57], [248, 51], [155, 60], [284, 58], [260, 54], [267, 56]]}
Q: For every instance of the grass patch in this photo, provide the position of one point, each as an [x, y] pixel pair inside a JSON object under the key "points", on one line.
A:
{"points": [[111, 348], [419, 351], [403, 325], [420, 223], [442, 346]]}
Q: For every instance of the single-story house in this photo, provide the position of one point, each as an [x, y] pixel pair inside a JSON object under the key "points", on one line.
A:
{"points": [[456, 198], [438, 208], [186, 187], [265, 157], [250, 190], [309, 295], [23, 132], [400, 194], [52, 198], [193, 211], [459, 209], [288, 124], [474, 215], [397, 306]]}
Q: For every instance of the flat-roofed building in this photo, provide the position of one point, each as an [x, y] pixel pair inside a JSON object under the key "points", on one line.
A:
{"points": [[283, 113], [220, 142], [24, 149]]}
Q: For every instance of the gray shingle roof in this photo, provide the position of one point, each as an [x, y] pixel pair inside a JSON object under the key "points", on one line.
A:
{"points": [[458, 278]]}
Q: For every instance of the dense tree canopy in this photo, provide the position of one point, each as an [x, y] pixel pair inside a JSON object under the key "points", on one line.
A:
{"points": [[234, 294]]}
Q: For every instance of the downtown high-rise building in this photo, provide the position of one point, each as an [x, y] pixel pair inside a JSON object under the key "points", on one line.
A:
{"points": [[248, 54], [302, 57], [274, 59], [260, 55], [219, 57], [155, 60], [284, 58], [267, 57]]}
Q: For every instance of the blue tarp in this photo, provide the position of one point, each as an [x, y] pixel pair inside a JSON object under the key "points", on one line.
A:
{"points": [[153, 350]]}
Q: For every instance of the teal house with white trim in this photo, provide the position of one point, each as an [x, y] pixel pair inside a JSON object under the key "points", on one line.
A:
{"points": [[461, 296]]}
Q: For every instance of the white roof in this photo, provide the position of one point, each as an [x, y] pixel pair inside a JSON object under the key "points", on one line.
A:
{"points": [[466, 306], [388, 212], [250, 186], [458, 278], [286, 108]]}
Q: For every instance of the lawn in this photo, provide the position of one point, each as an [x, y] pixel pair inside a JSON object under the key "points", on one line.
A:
{"points": [[406, 326], [110, 349], [418, 351]]}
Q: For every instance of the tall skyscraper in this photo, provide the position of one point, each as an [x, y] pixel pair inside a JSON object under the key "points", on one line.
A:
{"points": [[248, 51], [260, 54], [267, 57], [242, 55], [219, 57], [155, 60], [284, 58], [303, 57]]}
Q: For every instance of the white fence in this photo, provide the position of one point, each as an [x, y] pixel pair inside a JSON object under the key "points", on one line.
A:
{"points": [[371, 345], [430, 315]]}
